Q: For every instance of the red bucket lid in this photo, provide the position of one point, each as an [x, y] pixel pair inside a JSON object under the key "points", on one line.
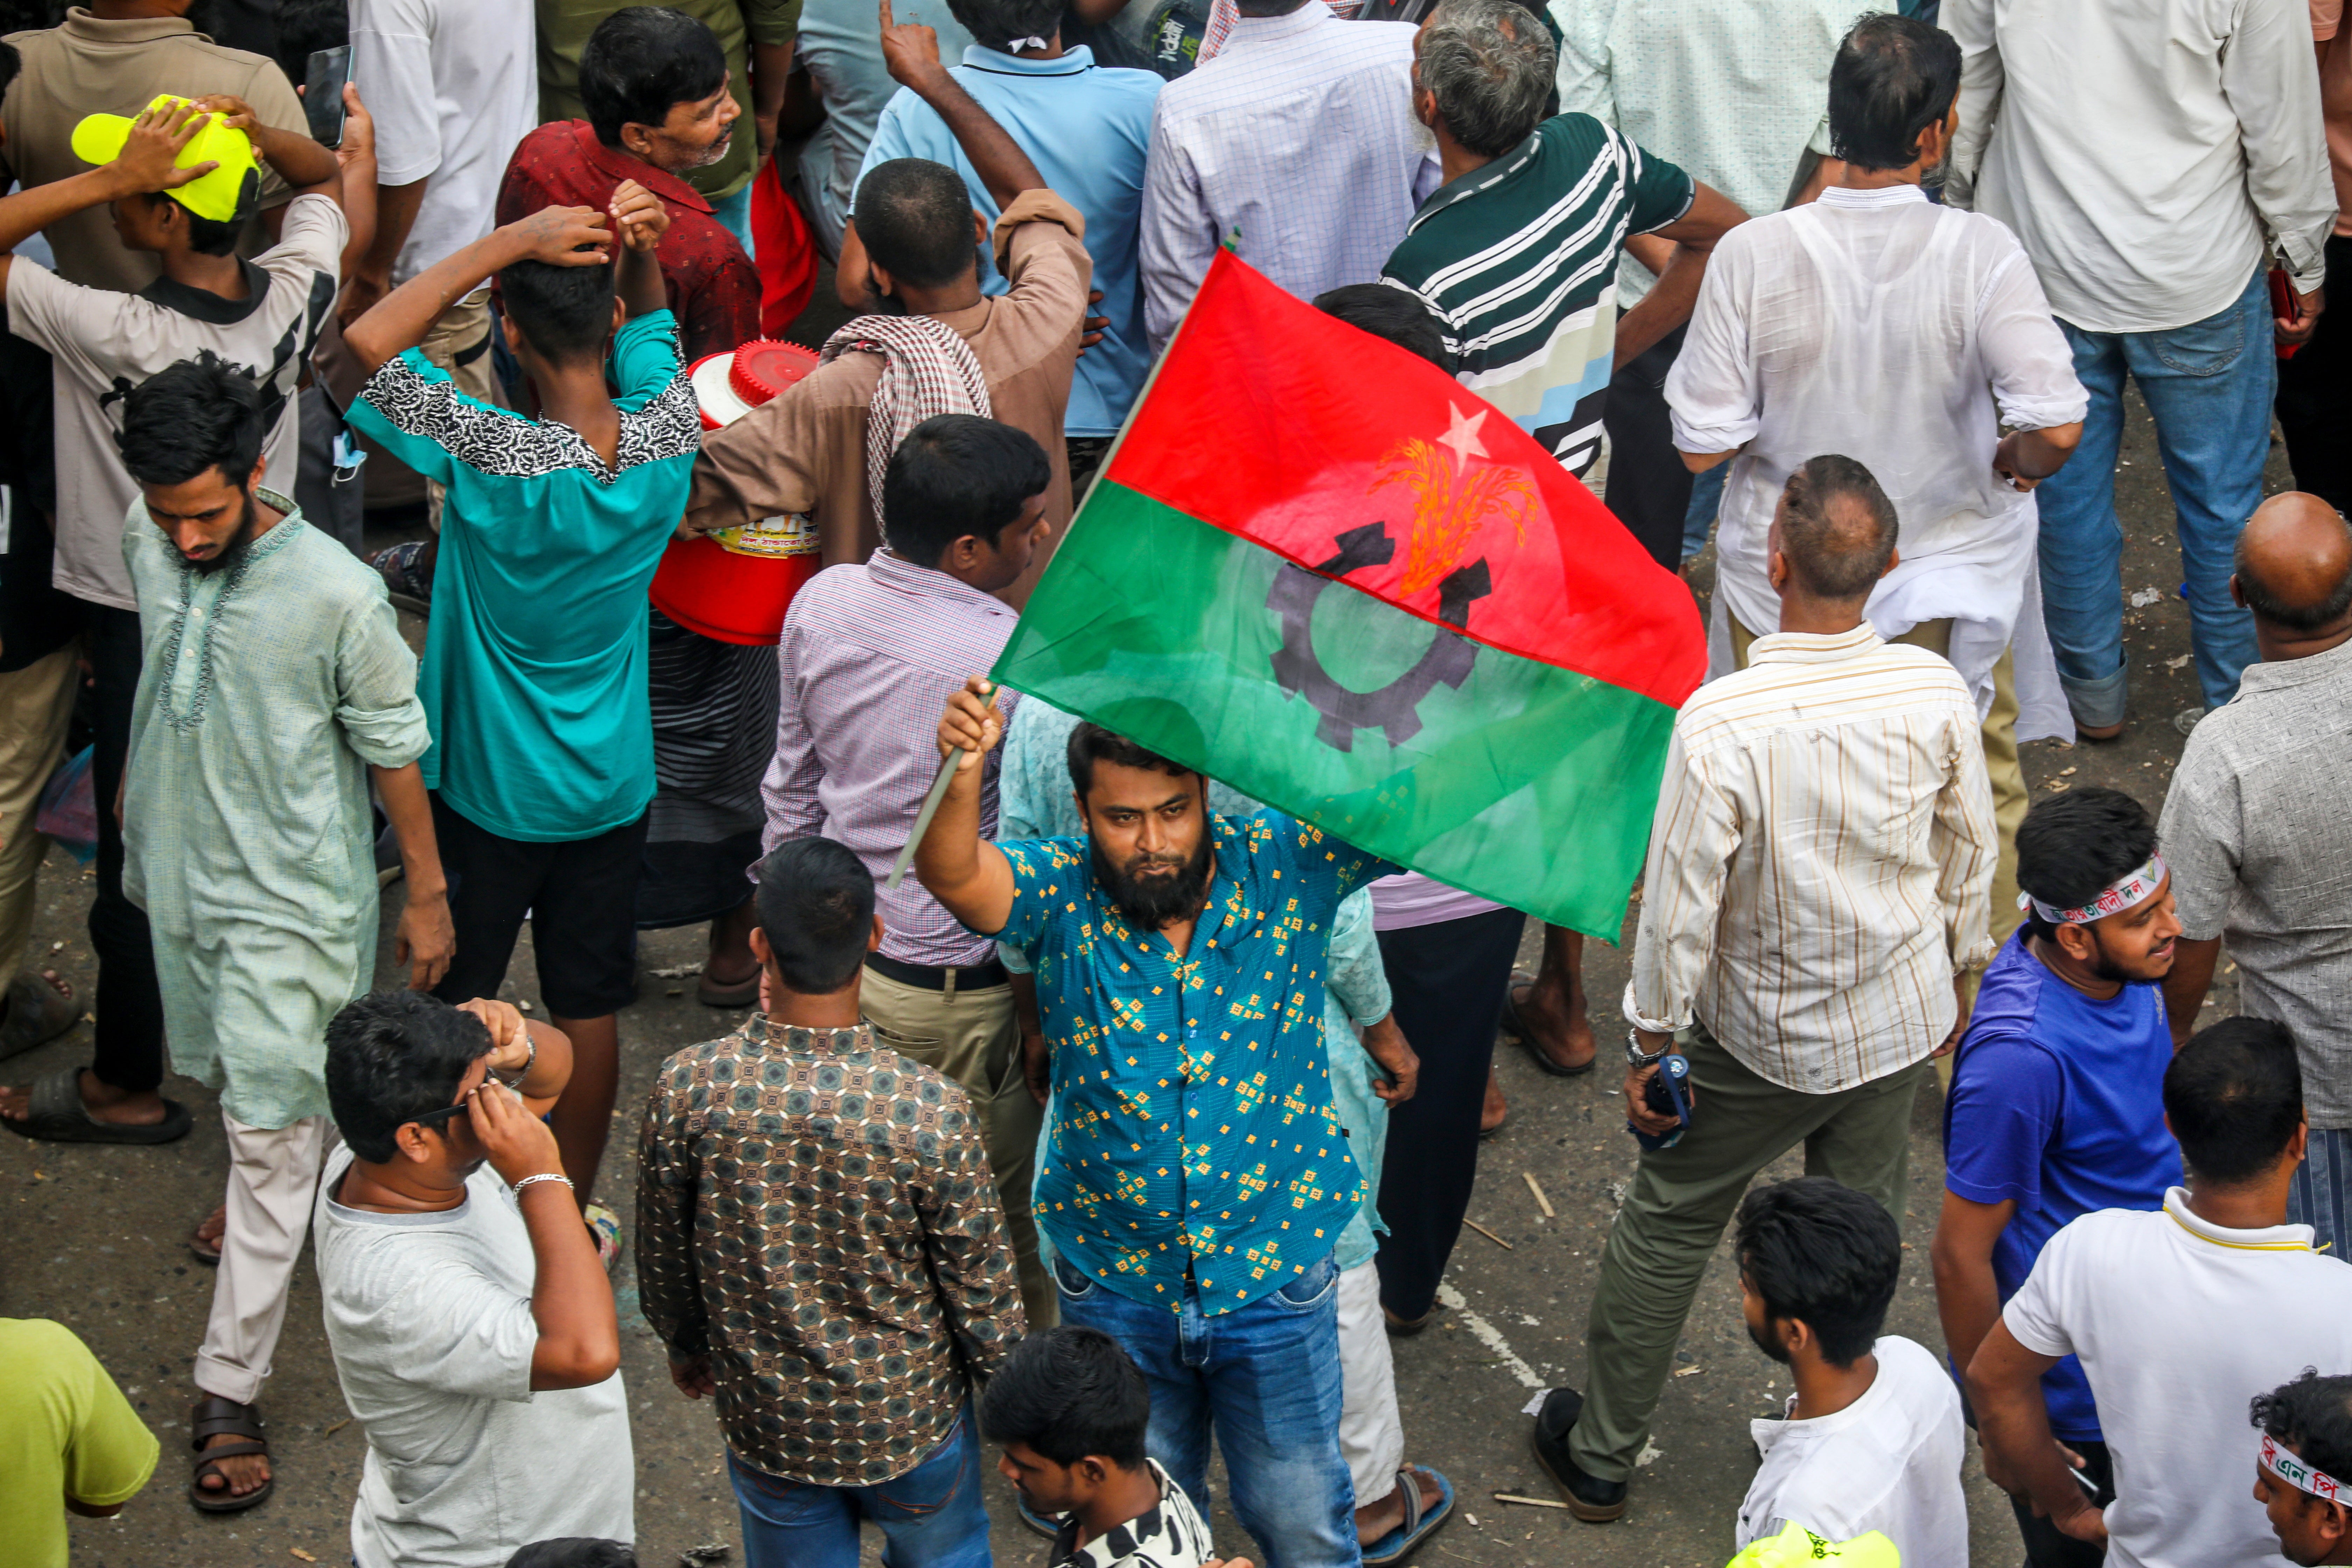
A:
{"points": [[764, 367], [715, 592]]}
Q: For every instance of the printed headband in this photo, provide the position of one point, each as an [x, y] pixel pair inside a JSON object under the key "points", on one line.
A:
{"points": [[2128, 892], [2279, 1462]]}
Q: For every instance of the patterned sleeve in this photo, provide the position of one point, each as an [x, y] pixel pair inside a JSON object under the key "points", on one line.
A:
{"points": [[671, 1296], [1335, 866], [1044, 874], [412, 409], [964, 1238]]}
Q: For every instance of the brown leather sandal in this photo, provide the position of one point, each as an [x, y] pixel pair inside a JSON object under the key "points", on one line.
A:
{"points": [[214, 1416]]}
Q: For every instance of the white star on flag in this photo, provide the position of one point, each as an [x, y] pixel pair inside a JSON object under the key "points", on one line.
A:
{"points": [[1462, 436]]}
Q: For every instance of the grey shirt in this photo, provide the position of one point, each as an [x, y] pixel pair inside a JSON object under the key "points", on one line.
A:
{"points": [[2257, 830]]}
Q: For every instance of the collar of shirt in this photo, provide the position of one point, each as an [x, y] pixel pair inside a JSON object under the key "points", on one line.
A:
{"points": [[80, 23], [622, 165], [2269, 1238], [1813, 647], [1072, 61], [1882, 197], [890, 569], [760, 1030], [2280, 674], [1269, 29], [1146, 1533], [1483, 178]]}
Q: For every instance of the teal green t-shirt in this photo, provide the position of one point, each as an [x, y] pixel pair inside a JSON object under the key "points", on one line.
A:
{"points": [[534, 677]]}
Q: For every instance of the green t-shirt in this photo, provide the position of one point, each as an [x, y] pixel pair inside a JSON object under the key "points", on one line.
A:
{"points": [[64, 1431], [564, 29]]}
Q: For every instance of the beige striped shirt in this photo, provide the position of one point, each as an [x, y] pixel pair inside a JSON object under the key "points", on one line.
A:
{"points": [[1822, 863]]}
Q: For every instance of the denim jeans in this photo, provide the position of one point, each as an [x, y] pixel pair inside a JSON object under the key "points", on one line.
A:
{"points": [[932, 1517], [1267, 1379], [2208, 386], [1707, 499]]}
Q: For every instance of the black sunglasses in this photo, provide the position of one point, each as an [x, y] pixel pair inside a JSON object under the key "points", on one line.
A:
{"points": [[441, 1115]]}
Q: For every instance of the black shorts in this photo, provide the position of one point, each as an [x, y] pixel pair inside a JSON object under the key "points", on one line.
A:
{"points": [[580, 896]]}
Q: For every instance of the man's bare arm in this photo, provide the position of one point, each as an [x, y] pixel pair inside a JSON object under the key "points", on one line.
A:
{"points": [[971, 878], [371, 280], [2020, 1456], [1968, 1297], [912, 54], [399, 322], [2185, 987], [1669, 302]]}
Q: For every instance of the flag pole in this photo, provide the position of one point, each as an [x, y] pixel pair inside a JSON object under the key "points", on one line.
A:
{"points": [[931, 808]]}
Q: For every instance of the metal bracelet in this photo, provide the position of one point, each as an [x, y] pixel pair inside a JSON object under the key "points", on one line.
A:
{"points": [[542, 1176], [530, 1060], [1638, 1059]]}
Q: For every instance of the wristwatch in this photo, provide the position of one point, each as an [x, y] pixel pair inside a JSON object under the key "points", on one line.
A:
{"points": [[1636, 1057]]}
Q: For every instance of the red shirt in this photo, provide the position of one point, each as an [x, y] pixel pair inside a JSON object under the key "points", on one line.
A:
{"points": [[713, 288]]}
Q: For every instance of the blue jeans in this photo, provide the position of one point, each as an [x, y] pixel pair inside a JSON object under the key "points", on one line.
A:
{"points": [[735, 212], [1267, 1378], [2208, 386], [932, 1517], [1707, 499]]}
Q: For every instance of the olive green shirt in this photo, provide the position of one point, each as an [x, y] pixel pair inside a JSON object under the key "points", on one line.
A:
{"points": [[564, 29]]}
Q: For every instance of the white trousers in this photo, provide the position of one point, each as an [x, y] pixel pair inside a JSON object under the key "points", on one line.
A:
{"points": [[273, 1176], [1372, 1434]]}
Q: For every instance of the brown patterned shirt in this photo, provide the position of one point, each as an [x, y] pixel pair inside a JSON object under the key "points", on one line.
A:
{"points": [[816, 1213]]}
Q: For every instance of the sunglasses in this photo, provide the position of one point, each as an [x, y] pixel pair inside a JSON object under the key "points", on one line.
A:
{"points": [[435, 1118]]}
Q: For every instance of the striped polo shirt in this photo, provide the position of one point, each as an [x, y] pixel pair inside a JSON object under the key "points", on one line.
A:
{"points": [[1518, 259]]}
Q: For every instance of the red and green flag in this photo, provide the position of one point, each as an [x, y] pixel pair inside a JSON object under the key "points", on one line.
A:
{"points": [[1320, 569]]}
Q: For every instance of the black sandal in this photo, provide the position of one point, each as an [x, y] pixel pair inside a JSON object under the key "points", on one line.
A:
{"points": [[1516, 1027], [211, 1417]]}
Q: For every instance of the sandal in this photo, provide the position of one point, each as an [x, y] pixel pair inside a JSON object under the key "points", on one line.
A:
{"points": [[1418, 1526], [208, 1252], [1405, 1328], [1516, 1027], [40, 1007], [743, 993], [58, 1116], [211, 1417]]}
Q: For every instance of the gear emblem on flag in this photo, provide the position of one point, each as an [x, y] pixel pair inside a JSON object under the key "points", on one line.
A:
{"points": [[1394, 709]]}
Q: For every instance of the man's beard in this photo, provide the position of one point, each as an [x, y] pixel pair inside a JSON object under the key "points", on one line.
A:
{"points": [[1776, 1351], [227, 554], [1149, 903], [712, 153]]}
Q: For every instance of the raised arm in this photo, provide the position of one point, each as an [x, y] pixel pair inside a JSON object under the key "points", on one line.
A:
{"points": [[564, 237], [357, 156], [912, 54], [570, 1300], [310, 169], [971, 878], [147, 162], [642, 220]]}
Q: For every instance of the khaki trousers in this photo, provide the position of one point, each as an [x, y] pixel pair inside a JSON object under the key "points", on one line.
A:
{"points": [[35, 702], [273, 1177], [1681, 1200], [974, 1038]]}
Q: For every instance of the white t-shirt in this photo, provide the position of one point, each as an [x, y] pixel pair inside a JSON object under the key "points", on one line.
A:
{"points": [[103, 343], [454, 87], [429, 1319], [1890, 1462], [2178, 1324]]}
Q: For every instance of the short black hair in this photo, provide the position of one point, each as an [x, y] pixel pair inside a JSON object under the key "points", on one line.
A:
{"points": [[914, 217], [994, 23], [188, 418], [2071, 846], [392, 1056], [815, 906], [214, 237], [1091, 744], [1390, 314], [642, 62], [574, 1552], [1069, 1394], [2233, 1095], [2313, 1415], [564, 312], [958, 474], [1892, 77], [1824, 1254], [1829, 553], [306, 27]]}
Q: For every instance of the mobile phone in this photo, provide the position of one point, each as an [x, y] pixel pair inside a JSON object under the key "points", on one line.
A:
{"points": [[322, 93], [1665, 1097], [2284, 306]]}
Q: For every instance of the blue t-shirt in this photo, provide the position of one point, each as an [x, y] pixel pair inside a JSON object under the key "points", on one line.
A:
{"points": [[535, 663], [1085, 127], [2057, 1102]]}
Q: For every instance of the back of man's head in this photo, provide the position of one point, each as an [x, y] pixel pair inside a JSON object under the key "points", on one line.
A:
{"points": [[306, 27], [1000, 23], [1892, 77], [2233, 1098], [2295, 564], [392, 1056], [1390, 314], [1823, 1255], [1490, 65], [191, 417], [2071, 847], [1069, 1394], [1837, 528], [641, 60], [1090, 743], [574, 1552], [914, 217], [958, 474], [2311, 1415], [815, 906], [562, 312]]}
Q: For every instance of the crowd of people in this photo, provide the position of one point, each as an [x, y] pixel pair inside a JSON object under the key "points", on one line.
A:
{"points": [[1142, 1120]]}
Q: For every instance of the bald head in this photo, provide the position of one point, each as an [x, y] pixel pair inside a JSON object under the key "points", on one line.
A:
{"points": [[1837, 528], [2295, 564]]}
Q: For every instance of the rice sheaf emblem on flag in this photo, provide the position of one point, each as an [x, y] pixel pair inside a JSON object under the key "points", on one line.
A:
{"points": [[1317, 568]]}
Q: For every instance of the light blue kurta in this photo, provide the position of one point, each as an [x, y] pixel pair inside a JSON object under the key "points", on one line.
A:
{"points": [[268, 688]]}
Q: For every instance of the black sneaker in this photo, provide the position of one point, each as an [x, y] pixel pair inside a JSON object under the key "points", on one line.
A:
{"points": [[1588, 1498]]}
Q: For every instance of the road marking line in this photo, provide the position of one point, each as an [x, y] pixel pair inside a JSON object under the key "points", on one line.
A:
{"points": [[1486, 1334]]}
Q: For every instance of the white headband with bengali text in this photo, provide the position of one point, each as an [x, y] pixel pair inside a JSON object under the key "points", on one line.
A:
{"points": [[2281, 1463], [2127, 892]]}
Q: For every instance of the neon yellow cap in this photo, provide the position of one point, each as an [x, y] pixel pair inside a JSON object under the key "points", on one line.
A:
{"points": [[1797, 1545], [229, 192]]}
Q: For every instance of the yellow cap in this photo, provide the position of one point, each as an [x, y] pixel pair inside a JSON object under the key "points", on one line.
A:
{"points": [[1797, 1545], [229, 192]]}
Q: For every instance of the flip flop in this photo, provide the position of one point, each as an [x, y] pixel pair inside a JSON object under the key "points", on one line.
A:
{"points": [[1418, 1526], [40, 1009], [58, 1116], [204, 1252], [744, 993], [212, 1417], [1516, 1027]]}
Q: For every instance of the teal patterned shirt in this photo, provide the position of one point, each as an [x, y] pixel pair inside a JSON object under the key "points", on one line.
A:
{"points": [[1194, 1127]]}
